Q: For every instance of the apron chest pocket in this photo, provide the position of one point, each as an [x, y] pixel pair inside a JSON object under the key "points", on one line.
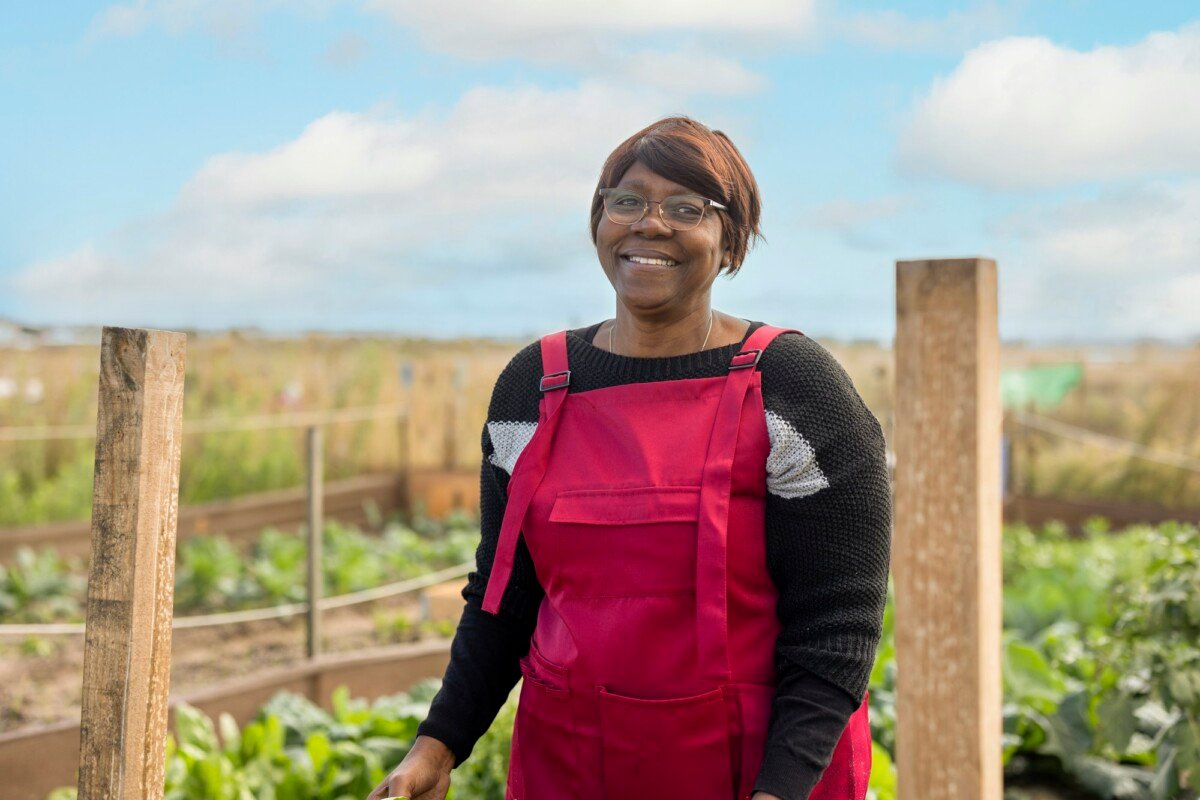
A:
{"points": [[677, 747], [626, 542]]}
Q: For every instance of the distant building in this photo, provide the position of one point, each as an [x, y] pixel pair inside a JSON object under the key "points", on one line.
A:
{"points": [[14, 334]]}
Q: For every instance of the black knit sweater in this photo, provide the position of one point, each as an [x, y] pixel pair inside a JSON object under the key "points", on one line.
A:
{"points": [[828, 532]]}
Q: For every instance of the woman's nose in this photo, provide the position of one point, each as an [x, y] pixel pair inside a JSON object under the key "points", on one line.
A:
{"points": [[651, 223]]}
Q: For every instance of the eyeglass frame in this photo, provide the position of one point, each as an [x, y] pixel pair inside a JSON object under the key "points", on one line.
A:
{"points": [[646, 207]]}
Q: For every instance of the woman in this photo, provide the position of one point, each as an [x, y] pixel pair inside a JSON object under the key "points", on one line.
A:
{"points": [[685, 528]]}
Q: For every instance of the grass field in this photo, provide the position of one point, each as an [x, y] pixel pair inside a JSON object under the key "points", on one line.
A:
{"points": [[1142, 394]]}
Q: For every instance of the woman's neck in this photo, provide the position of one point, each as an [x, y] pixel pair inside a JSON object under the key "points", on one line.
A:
{"points": [[698, 331]]}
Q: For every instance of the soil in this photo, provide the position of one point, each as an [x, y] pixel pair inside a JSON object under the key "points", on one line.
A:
{"points": [[41, 679]]}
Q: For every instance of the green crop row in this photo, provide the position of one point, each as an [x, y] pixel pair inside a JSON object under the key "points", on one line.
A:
{"points": [[1100, 661], [294, 750], [212, 574]]}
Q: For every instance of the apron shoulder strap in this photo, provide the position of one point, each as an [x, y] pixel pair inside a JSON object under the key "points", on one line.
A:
{"points": [[556, 372], [523, 482], [755, 344], [712, 610]]}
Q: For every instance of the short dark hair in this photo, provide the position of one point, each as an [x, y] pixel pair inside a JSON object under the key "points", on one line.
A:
{"points": [[693, 155]]}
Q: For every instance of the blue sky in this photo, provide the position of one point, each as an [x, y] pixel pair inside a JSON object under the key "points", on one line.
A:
{"points": [[426, 168]]}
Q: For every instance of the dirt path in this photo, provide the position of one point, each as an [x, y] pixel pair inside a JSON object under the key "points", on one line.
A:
{"points": [[41, 682]]}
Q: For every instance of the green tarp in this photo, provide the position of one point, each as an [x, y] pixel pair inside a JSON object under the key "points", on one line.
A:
{"points": [[1043, 385]]}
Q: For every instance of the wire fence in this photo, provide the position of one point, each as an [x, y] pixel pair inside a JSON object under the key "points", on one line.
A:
{"points": [[293, 419], [300, 419], [1124, 446], [282, 611]]}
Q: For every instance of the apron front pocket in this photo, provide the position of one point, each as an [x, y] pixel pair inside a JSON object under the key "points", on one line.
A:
{"points": [[675, 747], [755, 701], [546, 763]]}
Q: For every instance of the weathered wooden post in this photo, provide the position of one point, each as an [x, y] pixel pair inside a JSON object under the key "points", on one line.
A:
{"points": [[316, 523], [135, 505], [947, 554]]}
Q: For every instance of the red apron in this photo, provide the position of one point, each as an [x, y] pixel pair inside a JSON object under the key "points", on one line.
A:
{"points": [[650, 673]]}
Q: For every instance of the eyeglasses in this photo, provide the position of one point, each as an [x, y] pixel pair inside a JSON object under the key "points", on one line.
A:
{"points": [[680, 212]]}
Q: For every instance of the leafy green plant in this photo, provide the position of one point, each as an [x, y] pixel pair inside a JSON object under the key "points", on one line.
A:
{"points": [[41, 587], [1156, 708], [212, 574], [394, 627], [294, 750], [438, 627], [882, 784]]}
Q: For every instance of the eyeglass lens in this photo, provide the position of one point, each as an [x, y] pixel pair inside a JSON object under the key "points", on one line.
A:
{"points": [[680, 212]]}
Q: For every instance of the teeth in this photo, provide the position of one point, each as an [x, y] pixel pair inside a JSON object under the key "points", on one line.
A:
{"points": [[662, 262]]}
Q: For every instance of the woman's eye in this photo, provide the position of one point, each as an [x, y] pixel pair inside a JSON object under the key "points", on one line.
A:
{"points": [[627, 200], [686, 210]]}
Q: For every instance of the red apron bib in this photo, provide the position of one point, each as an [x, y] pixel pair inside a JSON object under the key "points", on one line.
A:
{"points": [[650, 673]]}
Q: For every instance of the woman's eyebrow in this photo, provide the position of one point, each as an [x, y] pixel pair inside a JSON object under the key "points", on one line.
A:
{"points": [[636, 184]]}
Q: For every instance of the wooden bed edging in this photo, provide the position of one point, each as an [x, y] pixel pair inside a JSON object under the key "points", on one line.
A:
{"points": [[33, 762]]}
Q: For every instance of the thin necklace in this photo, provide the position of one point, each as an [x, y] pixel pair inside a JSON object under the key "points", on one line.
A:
{"points": [[711, 313]]}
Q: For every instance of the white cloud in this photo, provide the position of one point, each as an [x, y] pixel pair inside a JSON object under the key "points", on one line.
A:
{"points": [[1025, 112], [844, 214], [856, 222], [1125, 264], [371, 215], [346, 51], [620, 41], [1167, 309], [340, 155], [521, 26], [689, 71], [1147, 232], [223, 19], [894, 30], [670, 44]]}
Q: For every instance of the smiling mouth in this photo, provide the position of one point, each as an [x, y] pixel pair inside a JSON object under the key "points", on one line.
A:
{"points": [[650, 262]]}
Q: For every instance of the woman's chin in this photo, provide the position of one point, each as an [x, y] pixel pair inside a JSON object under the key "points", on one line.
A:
{"points": [[646, 298]]}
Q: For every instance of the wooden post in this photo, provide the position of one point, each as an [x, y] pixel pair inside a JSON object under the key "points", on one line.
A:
{"points": [[947, 554], [316, 492], [135, 506]]}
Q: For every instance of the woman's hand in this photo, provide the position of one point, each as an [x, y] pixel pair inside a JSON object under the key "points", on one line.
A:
{"points": [[423, 774]]}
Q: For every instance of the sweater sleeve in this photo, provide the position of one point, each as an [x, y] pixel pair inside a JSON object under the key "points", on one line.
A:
{"points": [[486, 649], [828, 527]]}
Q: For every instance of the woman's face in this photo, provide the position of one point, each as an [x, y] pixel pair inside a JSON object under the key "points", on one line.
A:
{"points": [[697, 253]]}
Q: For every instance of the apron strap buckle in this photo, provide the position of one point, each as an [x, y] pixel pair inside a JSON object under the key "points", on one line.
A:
{"points": [[566, 380], [746, 358]]}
